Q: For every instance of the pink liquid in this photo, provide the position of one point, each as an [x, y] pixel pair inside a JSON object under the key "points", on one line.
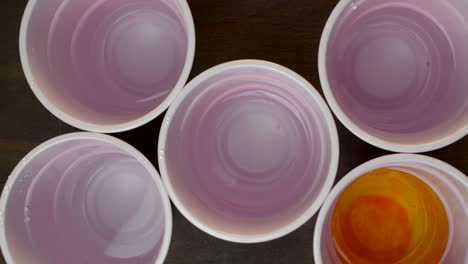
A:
{"points": [[398, 68], [84, 201], [248, 151], [107, 62]]}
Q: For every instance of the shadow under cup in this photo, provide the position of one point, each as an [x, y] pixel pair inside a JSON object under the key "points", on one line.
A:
{"points": [[450, 185], [248, 151], [85, 198], [107, 65], [394, 72]]}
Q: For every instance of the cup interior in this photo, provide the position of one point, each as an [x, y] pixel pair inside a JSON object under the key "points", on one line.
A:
{"points": [[84, 200], [396, 70], [450, 185], [247, 150], [107, 62]]}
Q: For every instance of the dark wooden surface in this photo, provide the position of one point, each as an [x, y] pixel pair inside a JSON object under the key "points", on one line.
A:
{"points": [[283, 31]]}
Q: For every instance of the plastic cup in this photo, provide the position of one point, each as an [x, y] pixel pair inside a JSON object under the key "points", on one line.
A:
{"points": [[394, 71], [248, 151], [107, 65], [84, 198], [449, 183]]}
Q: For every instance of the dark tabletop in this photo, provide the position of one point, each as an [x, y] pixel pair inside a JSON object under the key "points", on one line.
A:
{"points": [[282, 31]]}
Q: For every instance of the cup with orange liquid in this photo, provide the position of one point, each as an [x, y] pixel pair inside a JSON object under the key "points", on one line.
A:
{"points": [[397, 209]]}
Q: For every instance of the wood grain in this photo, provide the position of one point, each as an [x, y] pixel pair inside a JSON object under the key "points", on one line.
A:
{"points": [[283, 31]]}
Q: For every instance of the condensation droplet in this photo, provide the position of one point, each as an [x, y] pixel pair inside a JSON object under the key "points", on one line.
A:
{"points": [[27, 220]]}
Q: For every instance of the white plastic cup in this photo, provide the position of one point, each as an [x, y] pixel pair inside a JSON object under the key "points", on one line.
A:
{"points": [[84, 198], [449, 183], [108, 65], [248, 151], [394, 71]]}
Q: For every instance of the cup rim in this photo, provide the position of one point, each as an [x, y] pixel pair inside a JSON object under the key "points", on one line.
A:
{"points": [[362, 169], [329, 180], [124, 126], [346, 120], [106, 139]]}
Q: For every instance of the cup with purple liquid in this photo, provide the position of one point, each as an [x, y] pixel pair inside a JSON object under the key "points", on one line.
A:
{"points": [[84, 198], [248, 151], [108, 65], [394, 71]]}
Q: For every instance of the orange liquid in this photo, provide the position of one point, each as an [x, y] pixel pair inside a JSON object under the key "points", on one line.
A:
{"points": [[389, 216]]}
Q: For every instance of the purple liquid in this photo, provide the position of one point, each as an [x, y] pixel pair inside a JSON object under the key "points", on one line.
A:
{"points": [[248, 151], [84, 201], [106, 62], [398, 68]]}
